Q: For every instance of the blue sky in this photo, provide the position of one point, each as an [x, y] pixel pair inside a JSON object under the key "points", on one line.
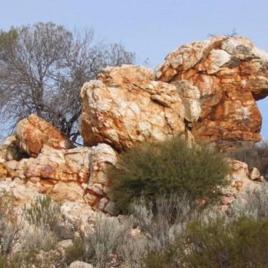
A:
{"points": [[151, 28]]}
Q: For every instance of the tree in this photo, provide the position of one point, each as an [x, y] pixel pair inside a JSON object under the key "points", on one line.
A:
{"points": [[42, 68]]}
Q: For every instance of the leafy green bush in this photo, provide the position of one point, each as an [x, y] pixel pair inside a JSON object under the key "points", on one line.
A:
{"points": [[165, 168], [239, 243]]}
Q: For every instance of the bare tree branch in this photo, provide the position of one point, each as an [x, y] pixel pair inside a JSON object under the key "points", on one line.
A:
{"points": [[43, 67]]}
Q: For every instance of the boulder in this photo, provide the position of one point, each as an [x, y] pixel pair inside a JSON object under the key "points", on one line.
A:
{"points": [[124, 107], [34, 133], [102, 156], [230, 74]]}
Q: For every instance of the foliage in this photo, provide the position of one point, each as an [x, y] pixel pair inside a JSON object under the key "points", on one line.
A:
{"points": [[163, 220], [42, 69], [253, 203], [166, 168], [103, 244], [43, 212], [219, 243], [76, 251], [160, 259], [37, 238], [9, 224]]}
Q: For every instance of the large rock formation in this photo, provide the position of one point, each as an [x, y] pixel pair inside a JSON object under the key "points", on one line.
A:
{"points": [[124, 106], [204, 91], [230, 73], [208, 87]]}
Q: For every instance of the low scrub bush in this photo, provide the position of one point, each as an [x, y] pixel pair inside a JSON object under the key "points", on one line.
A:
{"points": [[252, 203], [76, 251], [167, 168], [43, 211], [219, 243], [10, 226], [102, 245], [163, 220]]}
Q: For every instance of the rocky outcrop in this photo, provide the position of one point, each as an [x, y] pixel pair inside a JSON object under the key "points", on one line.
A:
{"points": [[209, 88], [230, 74], [34, 133], [65, 174], [203, 91], [74, 196], [241, 180], [124, 106]]}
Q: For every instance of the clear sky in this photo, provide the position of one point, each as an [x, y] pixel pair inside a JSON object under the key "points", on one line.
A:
{"points": [[151, 28]]}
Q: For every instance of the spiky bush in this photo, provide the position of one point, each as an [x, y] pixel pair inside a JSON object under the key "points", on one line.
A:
{"points": [[166, 168]]}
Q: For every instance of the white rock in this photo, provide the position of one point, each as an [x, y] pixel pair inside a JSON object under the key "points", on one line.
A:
{"points": [[80, 264]]}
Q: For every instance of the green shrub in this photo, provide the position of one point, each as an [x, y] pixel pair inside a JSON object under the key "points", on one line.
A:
{"points": [[76, 251], [166, 168], [240, 243], [3, 261], [163, 259]]}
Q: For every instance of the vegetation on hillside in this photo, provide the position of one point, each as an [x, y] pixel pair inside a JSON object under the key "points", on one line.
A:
{"points": [[167, 168]]}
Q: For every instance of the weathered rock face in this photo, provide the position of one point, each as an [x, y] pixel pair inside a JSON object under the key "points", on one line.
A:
{"points": [[230, 74], [66, 174], [33, 133], [124, 106], [54, 172], [241, 181]]}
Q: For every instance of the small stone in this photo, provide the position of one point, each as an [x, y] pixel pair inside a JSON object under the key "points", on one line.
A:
{"points": [[80, 264]]}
